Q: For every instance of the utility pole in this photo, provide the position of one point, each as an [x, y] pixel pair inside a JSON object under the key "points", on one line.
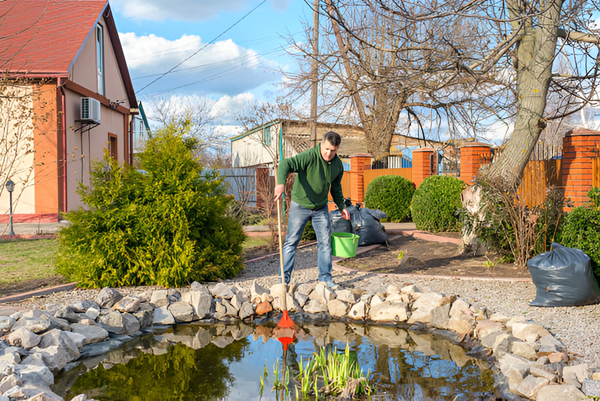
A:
{"points": [[314, 75]]}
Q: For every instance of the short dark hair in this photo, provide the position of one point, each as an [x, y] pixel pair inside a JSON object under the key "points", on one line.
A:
{"points": [[333, 138]]}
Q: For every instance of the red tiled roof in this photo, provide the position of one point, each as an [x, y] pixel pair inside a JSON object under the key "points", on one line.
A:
{"points": [[43, 37]]}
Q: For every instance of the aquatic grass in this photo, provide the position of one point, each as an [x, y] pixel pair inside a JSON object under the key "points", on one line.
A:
{"points": [[326, 373]]}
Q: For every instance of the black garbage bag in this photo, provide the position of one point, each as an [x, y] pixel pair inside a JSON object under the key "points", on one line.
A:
{"points": [[338, 223], [367, 226], [563, 277]]}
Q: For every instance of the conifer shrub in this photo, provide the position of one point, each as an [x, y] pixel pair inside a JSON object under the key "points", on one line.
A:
{"points": [[164, 225], [435, 204], [391, 194]]}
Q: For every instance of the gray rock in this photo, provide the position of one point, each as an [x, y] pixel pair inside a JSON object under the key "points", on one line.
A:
{"points": [[315, 306], [6, 368], [559, 393], [6, 323], [524, 349], [201, 301], [256, 290], [92, 313], [34, 359], [9, 382], [503, 344], [337, 308], [162, 315], [182, 311], [60, 339], [11, 357], [92, 334], [238, 299], [201, 288], [440, 316], [300, 298], [515, 376], [77, 338], [128, 305], [581, 371], [346, 296], [489, 340], [24, 370], [531, 385], [112, 322], [160, 298], [221, 290], [130, 323], [291, 304], [591, 388], [321, 293], [83, 306], [35, 324], [145, 315], [68, 313], [422, 307], [540, 372], [486, 327], [246, 310], [108, 297], [389, 311], [55, 357], [306, 288], [508, 361], [23, 338], [358, 311], [550, 341]]}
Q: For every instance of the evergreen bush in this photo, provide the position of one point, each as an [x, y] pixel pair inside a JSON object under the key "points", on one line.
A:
{"points": [[391, 194], [435, 204], [309, 232], [582, 230], [164, 225]]}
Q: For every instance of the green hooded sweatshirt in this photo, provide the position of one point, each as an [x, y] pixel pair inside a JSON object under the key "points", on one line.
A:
{"points": [[316, 178]]}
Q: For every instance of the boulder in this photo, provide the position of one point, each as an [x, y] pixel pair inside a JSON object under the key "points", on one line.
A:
{"points": [[528, 331], [84, 305], [581, 371], [337, 308], [112, 322], [246, 310], [486, 327], [198, 287], [591, 388], [60, 339], [130, 323], [6, 323], [221, 290], [108, 297], [35, 324], [389, 311], [92, 313], [263, 308], [524, 349], [238, 299], [306, 288], [531, 385], [358, 311], [564, 392], [300, 299], [440, 316], [163, 316], [9, 382], [515, 375], [160, 298], [256, 290], [201, 301], [11, 357], [182, 311], [24, 372], [23, 338], [127, 305], [92, 334], [315, 306], [144, 315], [422, 307], [55, 357], [346, 296]]}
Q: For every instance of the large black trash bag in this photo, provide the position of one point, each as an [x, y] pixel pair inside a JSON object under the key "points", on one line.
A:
{"points": [[363, 222], [563, 277]]}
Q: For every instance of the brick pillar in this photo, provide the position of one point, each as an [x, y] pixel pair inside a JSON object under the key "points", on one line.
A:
{"points": [[358, 164], [424, 164], [473, 156], [579, 147]]}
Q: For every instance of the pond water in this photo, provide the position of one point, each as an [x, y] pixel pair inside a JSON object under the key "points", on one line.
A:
{"points": [[214, 362]]}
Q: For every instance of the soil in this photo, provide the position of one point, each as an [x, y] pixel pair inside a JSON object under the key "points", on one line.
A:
{"points": [[429, 258], [29, 285]]}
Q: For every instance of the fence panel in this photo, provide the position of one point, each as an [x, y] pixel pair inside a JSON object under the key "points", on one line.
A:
{"points": [[538, 176], [241, 183]]}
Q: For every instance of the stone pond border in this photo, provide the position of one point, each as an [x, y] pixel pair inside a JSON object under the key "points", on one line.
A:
{"points": [[529, 363]]}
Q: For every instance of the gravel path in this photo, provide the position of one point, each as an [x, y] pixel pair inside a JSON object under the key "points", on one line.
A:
{"points": [[577, 327]]}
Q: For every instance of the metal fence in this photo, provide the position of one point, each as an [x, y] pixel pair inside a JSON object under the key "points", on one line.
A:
{"points": [[241, 183]]}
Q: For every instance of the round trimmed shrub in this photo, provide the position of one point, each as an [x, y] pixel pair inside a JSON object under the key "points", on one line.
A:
{"points": [[391, 194], [435, 203], [582, 231]]}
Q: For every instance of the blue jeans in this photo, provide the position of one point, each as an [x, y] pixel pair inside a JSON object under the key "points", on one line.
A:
{"points": [[297, 219]]}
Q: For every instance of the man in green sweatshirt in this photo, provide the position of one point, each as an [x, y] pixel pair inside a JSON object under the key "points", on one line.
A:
{"points": [[319, 171]]}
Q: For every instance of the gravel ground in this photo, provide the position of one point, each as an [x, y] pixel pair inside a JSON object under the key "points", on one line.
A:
{"points": [[577, 327]]}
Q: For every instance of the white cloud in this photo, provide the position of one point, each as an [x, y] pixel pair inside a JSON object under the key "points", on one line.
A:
{"points": [[186, 10], [498, 132], [220, 68], [227, 106]]}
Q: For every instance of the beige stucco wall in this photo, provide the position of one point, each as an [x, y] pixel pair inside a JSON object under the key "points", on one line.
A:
{"points": [[83, 71], [16, 146]]}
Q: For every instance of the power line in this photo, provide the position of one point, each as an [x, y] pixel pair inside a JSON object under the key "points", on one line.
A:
{"points": [[203, 47]]}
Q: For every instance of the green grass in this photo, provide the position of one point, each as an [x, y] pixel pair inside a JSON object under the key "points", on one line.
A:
{"points": [[22, 260]]}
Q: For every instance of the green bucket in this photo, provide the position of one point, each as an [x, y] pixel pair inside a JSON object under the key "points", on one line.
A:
{"points": [[344, 244]]}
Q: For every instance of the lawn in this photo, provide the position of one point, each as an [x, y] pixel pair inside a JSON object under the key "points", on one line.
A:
{"points": [[24, 260]]}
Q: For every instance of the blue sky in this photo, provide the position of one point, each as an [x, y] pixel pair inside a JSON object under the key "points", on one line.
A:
{"points": [[240, 66]]}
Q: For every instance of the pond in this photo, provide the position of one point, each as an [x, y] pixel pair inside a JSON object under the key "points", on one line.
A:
{"points": [[214, 362]]}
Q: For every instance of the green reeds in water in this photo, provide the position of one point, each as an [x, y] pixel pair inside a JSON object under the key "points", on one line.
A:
{"points": [[326, 373]]}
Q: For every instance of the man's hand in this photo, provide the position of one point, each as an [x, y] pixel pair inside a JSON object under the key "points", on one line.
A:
{"points": [[278, 191], [345, 214]]}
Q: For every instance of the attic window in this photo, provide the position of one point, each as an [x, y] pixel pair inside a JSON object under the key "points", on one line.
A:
{"points": [[100, 57], [266, 136]]}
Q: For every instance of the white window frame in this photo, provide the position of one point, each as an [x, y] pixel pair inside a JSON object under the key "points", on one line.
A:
{"points": [[100, 59]]}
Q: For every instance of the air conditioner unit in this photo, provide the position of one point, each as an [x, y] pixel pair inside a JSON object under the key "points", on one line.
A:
{"points": [[90, 110]]}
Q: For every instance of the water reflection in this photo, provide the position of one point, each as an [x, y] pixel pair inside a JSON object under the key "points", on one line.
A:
{"points": [[196, 362]]}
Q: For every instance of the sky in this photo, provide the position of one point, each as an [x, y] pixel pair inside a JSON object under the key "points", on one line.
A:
{"points": [[231, 51]]}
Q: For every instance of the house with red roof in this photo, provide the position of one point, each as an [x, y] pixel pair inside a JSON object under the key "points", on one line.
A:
{"points": [[64, 63]]}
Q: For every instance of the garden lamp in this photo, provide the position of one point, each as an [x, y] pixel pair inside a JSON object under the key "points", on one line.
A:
{"points": [[10, 187]]}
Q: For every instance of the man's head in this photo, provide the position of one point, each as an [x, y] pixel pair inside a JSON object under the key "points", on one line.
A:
{"points": [[329, 145]]}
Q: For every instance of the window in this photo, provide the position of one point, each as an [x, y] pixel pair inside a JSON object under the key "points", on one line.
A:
{"points": [[112, 146], [266, 136], [100, 58]]}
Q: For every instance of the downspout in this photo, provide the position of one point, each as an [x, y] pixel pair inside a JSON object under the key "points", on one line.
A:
{"points": [[63, 104], [131, 139]]}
